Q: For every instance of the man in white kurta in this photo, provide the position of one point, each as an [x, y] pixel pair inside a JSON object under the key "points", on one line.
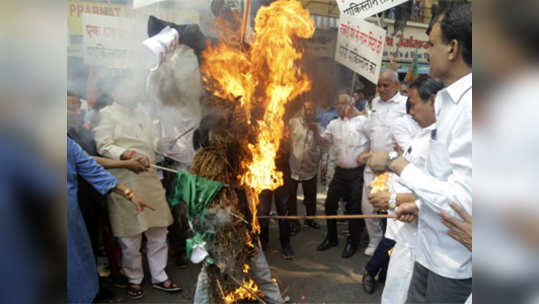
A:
{"points": [[123, 132]]}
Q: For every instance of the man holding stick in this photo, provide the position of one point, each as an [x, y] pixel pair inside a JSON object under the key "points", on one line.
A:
{"points": [[126, 132], [443, 268]]}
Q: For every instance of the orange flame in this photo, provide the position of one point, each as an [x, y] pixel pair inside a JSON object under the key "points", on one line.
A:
{"points": [[379, 183], [246, 268], [267, 76], [241, 294]]}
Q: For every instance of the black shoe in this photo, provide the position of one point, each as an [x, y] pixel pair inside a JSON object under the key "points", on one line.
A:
{"points": [[288, 252], [312, 224], [104, 294], [349, 250], [119, 280], [368, 283], [326, 244]]}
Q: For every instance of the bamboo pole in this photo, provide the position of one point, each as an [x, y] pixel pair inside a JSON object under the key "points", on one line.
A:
{"points": [[327, 217], [164, 168], [245, 20]]}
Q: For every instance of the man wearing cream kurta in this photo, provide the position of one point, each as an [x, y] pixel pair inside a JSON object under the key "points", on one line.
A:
{"points": [[124, 132]]}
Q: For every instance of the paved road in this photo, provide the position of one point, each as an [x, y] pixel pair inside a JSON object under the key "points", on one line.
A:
{"points": [[312, 277]]}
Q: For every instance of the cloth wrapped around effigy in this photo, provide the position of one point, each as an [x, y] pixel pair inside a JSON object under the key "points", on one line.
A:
{"points": [[219, 217]]}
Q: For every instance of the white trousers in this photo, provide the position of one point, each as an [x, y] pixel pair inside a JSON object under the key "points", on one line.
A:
{"points": [[399, 275], [374, 226], [156, 253]]}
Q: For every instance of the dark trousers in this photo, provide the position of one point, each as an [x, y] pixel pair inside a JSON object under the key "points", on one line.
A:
{"points": [[380, 259], [346, 183], [428, 287], [309, 194], [179, 230], [94, 211], [281, 196]]}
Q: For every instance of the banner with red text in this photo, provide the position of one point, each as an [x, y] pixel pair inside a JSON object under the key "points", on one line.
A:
{"points": [[360, 46], [106, 40]]}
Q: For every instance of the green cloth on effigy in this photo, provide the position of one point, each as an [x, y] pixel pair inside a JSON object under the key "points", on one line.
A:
{"points": [[197, 193]]}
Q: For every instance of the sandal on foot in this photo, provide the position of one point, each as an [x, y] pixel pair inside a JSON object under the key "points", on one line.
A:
{"points": [[168, 286], [134, 291]]}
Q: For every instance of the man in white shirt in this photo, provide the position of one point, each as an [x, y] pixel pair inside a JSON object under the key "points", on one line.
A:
{"points": [[421, 107], [386, 127], [305, 154], [443, 268], [349, 137]]}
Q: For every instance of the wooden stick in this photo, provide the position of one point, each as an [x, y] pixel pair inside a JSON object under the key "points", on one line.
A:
{"points": [[353, 84], [164, 168], [327, 217], [248, 290], [180, 136], [245, 20], [239, 217], [220, 289], [391, 59]]}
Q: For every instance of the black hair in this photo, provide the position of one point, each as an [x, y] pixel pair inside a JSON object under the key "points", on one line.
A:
{"points": [[201, 136], [426, 86], [456, 23], [520, 21]]}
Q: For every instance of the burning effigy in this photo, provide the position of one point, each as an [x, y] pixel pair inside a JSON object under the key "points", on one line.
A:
{"points": [[249, 86]]}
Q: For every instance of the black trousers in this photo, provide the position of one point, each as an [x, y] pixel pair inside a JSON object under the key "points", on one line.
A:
{"points": [[309, 194], [179, 230], [346, 183], [380, 259], [281, 196]]}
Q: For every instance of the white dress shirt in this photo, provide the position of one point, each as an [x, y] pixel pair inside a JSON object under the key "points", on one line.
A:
{"points": [[449, 179], [305, 152], [416, 153], [349, 137], [383, 120], [389, 122]]}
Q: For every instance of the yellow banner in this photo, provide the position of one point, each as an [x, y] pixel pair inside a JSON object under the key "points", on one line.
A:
{"points": [[76, 8]]}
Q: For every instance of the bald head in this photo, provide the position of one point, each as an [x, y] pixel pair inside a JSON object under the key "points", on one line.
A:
{"points": [[389, 75], [345, 102], [345, 99], [388, 84]]}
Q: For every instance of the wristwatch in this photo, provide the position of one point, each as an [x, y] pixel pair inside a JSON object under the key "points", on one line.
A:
{"points": [[392, 204], [390, 157]]}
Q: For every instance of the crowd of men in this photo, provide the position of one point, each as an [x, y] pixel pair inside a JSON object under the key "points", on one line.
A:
{"points": [[419, 132]]}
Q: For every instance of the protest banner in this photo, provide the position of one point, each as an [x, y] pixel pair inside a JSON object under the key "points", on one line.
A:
{"points": [[365, 8], [106, 40], [360, 46]]}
